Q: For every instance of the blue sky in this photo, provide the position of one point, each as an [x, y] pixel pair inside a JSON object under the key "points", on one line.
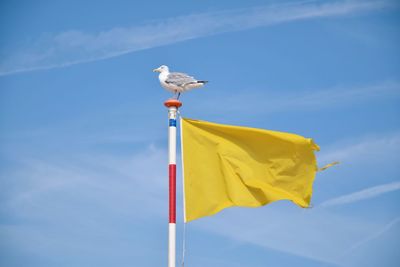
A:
{"points": [[83, 137]]}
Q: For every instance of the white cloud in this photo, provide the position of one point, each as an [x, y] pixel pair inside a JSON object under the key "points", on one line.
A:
{"points": [[343, 95], [305, 100], [363, 149], [371, 192], [121, 184], [74, 46], [315, 234], [374, 235], [56, 209]]}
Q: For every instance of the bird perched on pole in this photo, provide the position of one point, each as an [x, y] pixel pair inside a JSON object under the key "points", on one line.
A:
{"points": [[177, 82]]}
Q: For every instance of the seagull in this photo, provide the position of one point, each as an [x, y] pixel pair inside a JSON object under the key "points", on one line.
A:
{"points": [[177, 82]]}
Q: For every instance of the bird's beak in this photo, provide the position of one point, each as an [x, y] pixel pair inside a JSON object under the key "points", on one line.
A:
{"points": [[156, 70]]}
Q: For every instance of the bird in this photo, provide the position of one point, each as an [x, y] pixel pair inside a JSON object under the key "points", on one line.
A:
{"points": [[177, 82]]}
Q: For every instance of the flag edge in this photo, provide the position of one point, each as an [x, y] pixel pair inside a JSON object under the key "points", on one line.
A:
{"points": [[183, 171]]}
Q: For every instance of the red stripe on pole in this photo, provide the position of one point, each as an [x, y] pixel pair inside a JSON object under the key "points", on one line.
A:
{"points": [[172, 193]]}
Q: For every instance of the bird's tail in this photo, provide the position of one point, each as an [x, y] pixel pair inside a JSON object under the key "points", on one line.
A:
{"points": [[203, 82]]}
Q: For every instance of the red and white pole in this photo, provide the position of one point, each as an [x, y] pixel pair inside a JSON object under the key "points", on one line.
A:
{"points": [[172, 105]]}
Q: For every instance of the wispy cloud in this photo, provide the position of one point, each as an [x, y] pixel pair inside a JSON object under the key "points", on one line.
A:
{"points": [[370, 148], [362, 195], [301, 100], [74, 46], [343, 95], [374, 235], [114, 181], [304, 232], [54, 209], [290, 230]]}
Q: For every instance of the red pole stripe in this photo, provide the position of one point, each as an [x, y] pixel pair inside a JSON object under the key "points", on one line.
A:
{"points": [[172, 193]]}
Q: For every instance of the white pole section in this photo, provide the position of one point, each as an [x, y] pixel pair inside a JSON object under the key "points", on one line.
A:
{"points": [[172, 105]]}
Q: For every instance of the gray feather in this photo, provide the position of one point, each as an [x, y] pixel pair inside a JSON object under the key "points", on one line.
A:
{"points": [[180, 79]]}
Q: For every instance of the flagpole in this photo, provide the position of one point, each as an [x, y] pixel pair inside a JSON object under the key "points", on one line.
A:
{"points": [[172, 105]]}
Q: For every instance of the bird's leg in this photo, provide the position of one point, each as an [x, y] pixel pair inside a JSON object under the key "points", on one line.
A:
{"points": [[178, 96]]}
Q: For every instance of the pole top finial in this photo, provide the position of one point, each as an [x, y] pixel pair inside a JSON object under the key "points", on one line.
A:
{"points": [[173, 103]]}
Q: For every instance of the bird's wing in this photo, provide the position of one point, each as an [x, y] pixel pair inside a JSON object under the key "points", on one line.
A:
{"points": [[179, 79]]}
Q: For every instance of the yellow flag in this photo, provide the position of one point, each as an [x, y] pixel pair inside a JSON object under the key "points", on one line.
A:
{"points": [[226, 166]]}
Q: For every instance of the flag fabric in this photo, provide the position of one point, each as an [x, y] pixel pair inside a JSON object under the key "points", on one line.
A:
{"points": [[225, 166]]}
